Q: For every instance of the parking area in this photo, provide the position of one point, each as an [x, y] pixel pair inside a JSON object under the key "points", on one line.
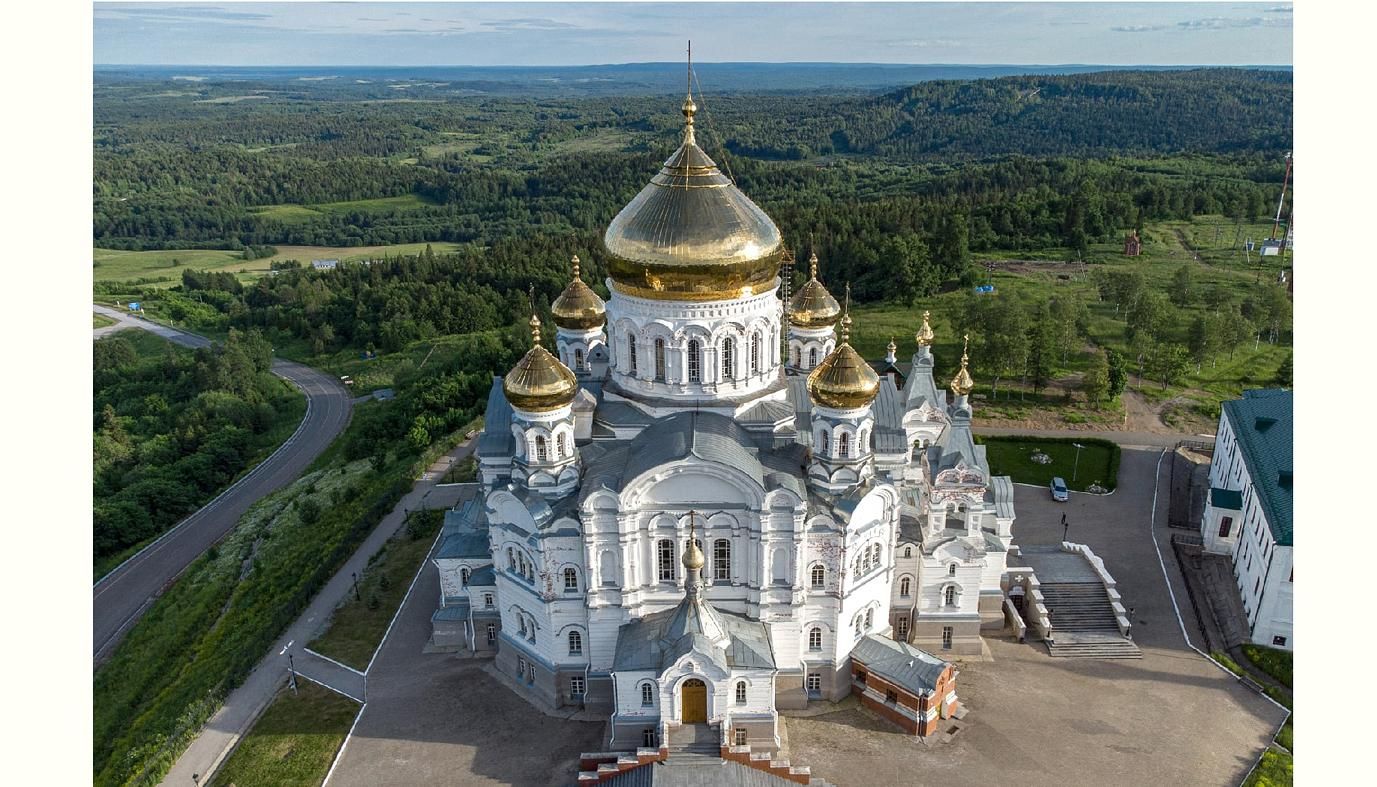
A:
{"points": [[1171, 717]]}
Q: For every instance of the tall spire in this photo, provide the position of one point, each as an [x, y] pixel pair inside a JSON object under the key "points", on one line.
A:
{"points": [[535, 321], [689, 107], [846, 317]]}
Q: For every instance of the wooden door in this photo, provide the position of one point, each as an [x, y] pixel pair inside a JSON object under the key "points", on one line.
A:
{"points": [[694, 697]]}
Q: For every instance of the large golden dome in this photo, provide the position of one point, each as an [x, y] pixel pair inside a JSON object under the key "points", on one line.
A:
{"points": [[691, 234], [843, 381], [539, 382], [578, 307], [813, 306]]}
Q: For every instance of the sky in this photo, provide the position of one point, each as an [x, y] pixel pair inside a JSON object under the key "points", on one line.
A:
{"points": [[561, 34]]}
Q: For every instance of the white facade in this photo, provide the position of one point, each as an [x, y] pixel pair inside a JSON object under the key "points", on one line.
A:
{"points": [[1236, 520]]}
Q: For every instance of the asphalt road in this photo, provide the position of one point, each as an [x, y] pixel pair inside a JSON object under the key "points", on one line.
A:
{"points": [[121, 596]]}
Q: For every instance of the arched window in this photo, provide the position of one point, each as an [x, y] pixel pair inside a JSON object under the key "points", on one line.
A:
{"points": [[741, 692], [561, 445], [659, 360], [824, 444], [844, 445], [819, 575], [869, 618], [729, 358], [856, 567], [666, 560], [511, 560], [755, 353], [798, 356], [879, 552], [531, 630], [857, 621], [631, 354], [695, 361], [908, 551], [780, 566], [464, 576], [721, 559], [812, 357], [951, 570], [578, 360], [575, 643], [863, 442], [904, 587], [571, 579], [542, 451], [647, 695], [521, 621], [949, 596], [815, 639]]}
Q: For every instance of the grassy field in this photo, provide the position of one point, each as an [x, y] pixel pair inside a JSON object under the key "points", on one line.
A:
{"points": [[357, 626], [1272, 661], [1098, 463], [293, 742], [296, 214], [101, 321]]}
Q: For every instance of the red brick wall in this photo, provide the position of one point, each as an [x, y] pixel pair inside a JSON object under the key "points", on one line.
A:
{"points": [[945, 682]]}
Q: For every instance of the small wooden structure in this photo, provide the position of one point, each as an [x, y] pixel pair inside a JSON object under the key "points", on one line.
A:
{"points": [[1133, 245]]}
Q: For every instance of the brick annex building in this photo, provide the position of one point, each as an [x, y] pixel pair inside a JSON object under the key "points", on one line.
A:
{"points": [[704, 506]]}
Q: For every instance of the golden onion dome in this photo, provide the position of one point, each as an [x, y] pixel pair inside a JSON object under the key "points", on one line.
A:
{"points": [[693, 556], [539, 382], [962, 384], [578, 307], [843, 381], [924, 335], [813, 306], [691, 234]]}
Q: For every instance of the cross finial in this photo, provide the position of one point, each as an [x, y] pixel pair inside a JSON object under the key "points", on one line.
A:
{"points": [[535, 320], [576, 267]]}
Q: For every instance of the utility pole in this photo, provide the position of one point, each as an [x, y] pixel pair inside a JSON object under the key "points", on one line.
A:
{"points": [[1076, 467], [291, 669], [355, 575]]}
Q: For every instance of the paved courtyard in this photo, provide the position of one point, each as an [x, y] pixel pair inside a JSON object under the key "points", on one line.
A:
{"points": [[1171, 717]]}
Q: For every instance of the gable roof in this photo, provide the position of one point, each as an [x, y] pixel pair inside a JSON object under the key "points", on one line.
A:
{"points": [[899, 663], [1262, 424], [708, 436]]}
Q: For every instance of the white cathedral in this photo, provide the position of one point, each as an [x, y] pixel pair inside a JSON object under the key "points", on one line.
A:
{"points": [[679, 525]]}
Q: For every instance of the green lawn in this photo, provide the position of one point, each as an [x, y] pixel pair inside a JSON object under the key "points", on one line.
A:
{"points": [[1275, 770], [1286, 735], [293, 742], [117, 265], [462, 473], [101, 321], [1099, 461], [1272, 661], [357, 626]]}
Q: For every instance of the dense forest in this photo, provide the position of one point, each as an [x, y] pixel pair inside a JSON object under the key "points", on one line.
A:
{"points": [[172, 427]]}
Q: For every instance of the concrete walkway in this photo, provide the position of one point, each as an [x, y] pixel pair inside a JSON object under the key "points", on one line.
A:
{"points": [[245, 703]]}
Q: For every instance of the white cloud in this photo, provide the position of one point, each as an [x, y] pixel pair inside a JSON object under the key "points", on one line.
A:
{"points": [[1138, 28]]}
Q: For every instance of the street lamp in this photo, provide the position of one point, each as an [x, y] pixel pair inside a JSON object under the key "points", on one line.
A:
{"points": [[1065, 526], [1075, 467], [291, 668], [355, 575]]}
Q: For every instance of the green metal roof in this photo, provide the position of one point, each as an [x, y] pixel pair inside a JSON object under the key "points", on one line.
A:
{"points": [[1232, 499], [1262, 424]]}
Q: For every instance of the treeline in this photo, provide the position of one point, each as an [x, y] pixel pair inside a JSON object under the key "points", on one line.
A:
{"points": [[171, 429]]}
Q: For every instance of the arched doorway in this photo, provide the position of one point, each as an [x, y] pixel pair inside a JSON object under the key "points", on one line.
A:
{"points": [[694, 700]]}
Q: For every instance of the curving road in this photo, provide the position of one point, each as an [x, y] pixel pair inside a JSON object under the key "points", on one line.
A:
{"points": [[121, 596]]}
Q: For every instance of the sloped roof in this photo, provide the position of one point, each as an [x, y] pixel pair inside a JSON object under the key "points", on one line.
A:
{"points": [[899, 663], [1262, 423], [1232, 499], [465, 533], [708, 436], [640, 647], [497, 439], [888, 409]]}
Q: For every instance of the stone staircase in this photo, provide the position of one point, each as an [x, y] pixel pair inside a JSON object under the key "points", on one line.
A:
{"points": [[1083, 623]]}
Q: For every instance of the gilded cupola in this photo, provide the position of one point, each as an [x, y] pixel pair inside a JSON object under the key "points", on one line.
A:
{"points": [[691, 234], [924, 335], [843, 381], [813, 306], [539, 382], [962, 384], [578, 307]]}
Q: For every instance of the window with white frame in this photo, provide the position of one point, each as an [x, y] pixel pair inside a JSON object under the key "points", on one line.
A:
{"points": [[492, 633], [823, 443], [729, 358], [741, 692], [951, 570], [695, 361], [722, 559], [521, 667], [561, 445], [905, 585], [578, 360], [815, 639], [647, 695], [666, 560], [901, 628], [946, 637], [464, 576], [908, 551], [571, 579], [869, 618], [487, 600], [660, 360], [812, 357], [542, 451], [631, 354], [576, 686], [844, 445], [949, 596], [798, 356], [755, 353], [575, 644], [814, 683], [739, 735], [819, 576]]}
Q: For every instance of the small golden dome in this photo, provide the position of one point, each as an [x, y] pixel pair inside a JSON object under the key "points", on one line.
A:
{"points": [[924, 335], [693, 556], [539, 382], [962, 384], [578, 307], [691, 234], [813, 306], [843, 381]]}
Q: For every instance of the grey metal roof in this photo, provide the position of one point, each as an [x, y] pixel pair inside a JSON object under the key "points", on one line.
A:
{"points": [[621, 414], [889, 436], [483, 576], [695, 772], [910, 529], [708, 436], [604, 464], [1262, 423], [767, 412], [920, 388], [465, 532], [458, 611], [899, 663], [1002, 490], [497, 439], [641, 646]]}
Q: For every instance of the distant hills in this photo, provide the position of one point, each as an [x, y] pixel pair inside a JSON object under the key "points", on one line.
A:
{"points": [[623, 79]]}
